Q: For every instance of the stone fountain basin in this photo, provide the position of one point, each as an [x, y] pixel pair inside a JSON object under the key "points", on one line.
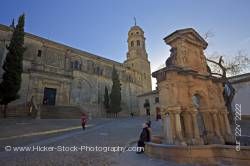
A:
{"points": [[199, 154]]}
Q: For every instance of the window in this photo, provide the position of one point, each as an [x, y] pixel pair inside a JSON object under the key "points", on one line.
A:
{"points": [[146, 103], [157, 100], [132, 43], [138, 42], [137, 33], [97, 71], [76, 65], [131, 33], [39, 53]]}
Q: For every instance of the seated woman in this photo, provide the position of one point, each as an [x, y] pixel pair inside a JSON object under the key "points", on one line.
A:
{"points": [[144, 137]]}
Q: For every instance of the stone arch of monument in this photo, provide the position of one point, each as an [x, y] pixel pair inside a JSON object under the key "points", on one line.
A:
{"points": [[199, 100], [199, 97]]}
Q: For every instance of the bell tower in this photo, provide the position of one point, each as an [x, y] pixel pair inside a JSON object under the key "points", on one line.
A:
{"points": [[137, 57]]}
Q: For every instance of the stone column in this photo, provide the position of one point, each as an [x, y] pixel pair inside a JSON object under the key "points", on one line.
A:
{"points": [[172, 122], [195, 126], [221, 124], [207, 123], [168, 129], [188, 127], [178, 127], [217, 129], [216, 124], [228, 128]]}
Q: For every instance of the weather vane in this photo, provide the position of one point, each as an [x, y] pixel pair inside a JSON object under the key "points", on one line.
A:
{"points": [[135, 20]]}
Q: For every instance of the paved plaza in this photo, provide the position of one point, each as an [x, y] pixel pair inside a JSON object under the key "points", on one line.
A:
{"points": [[68, 133], [100, 132]]}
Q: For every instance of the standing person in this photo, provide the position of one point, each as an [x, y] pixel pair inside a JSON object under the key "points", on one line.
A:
{"points": [[149, 130], [132, 114], [144, 137], [84, 120]]}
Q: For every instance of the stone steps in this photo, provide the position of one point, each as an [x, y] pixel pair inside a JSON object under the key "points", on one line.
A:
{"points": [[60, 112], [15, 111]]}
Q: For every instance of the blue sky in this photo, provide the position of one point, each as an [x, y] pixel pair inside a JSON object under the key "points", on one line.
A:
{"points": [[101, 26]]}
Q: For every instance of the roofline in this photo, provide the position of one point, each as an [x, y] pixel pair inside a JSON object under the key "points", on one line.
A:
{"points": [[239, 78], [149, 93], [187, 29], [42, 39]]}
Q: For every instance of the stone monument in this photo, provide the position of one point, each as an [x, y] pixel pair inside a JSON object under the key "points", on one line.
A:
{"points": [[193, 107]]}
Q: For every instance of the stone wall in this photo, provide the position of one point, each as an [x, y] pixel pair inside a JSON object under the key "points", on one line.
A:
{"points": [[154, 104], [79, 77], [204, 155], [241, 84]]}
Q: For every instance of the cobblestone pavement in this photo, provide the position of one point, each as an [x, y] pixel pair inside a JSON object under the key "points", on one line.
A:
{"points": [[16, 132], [116, 132], [11, 127]]}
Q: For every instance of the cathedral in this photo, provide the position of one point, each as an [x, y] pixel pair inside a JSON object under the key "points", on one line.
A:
{"points": [[55, 74]]}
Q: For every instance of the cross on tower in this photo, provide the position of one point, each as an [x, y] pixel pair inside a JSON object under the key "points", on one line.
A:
{"points": [[135, 21]]}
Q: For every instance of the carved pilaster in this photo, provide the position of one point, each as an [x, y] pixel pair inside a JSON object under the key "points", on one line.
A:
{"points": [[178, 128], [172, 122], [228, 128], [216, 125], [195, 125]]}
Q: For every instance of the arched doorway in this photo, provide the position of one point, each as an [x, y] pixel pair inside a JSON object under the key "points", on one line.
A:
{"points": [[146, 105], [158, 113]]}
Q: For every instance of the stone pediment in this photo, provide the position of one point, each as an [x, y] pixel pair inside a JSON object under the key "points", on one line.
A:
{"points": [[188, 34]]}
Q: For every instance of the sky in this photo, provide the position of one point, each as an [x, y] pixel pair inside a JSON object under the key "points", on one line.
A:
{"points": [[101, 26]]}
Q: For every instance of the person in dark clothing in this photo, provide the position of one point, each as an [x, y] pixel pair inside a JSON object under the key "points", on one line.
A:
{"points": [[149, 123], [149, 130], [84, 120], [144, 137], [132, 114]]}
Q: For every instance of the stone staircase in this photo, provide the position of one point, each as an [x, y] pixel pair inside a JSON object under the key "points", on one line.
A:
{"points": [[60, 112], [15, 111]]}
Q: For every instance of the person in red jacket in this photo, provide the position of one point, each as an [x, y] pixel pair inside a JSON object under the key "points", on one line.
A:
{"points": [[84, 119]]}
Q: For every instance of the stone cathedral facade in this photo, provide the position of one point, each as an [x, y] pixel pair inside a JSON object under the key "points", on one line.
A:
{"points": [[56, 74]]}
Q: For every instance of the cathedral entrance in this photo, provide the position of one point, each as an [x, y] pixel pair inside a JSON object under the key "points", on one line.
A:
{"points": [[49, 96]]}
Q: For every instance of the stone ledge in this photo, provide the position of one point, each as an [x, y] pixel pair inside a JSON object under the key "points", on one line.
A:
{"points": [[201, 154]]}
